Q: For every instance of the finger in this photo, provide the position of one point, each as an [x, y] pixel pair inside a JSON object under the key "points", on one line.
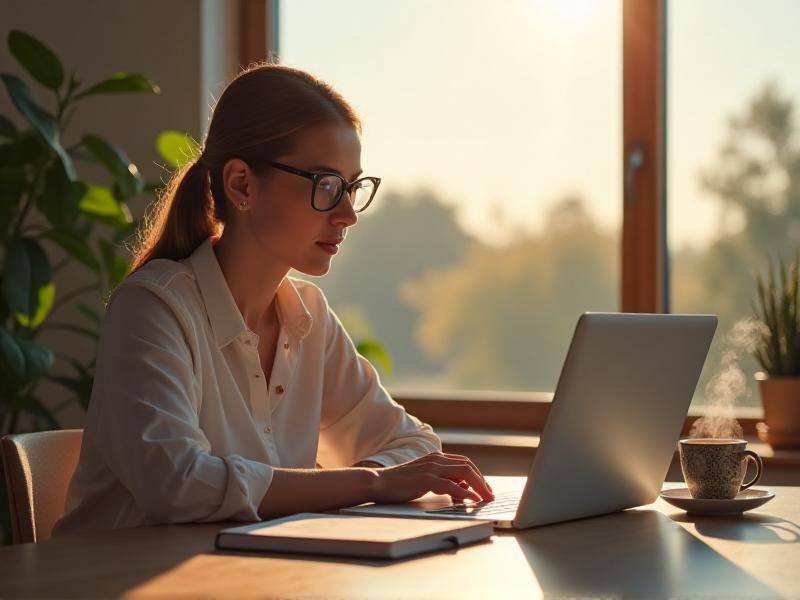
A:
{"points": [[464, 472], [472, 464], [445, 486]]}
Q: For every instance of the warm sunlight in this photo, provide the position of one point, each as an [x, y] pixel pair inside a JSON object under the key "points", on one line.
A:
{"points": [[568, 13]]}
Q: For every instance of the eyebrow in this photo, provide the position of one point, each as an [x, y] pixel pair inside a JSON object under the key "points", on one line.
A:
{"points": [[328, 169]]}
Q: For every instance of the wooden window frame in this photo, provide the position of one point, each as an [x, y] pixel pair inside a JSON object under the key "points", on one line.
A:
{"points": [[644, 266]]}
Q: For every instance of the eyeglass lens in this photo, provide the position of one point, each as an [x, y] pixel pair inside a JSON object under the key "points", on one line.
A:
{"points": [[330, 187]]}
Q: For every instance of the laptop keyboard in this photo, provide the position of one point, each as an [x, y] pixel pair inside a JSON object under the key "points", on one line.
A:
{"points": [[503, 502]]}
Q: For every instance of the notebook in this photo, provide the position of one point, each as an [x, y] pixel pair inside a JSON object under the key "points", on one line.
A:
{"points": [[353, 535]]}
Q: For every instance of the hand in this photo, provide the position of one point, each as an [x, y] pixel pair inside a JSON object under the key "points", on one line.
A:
{"points": [[440, 473]]}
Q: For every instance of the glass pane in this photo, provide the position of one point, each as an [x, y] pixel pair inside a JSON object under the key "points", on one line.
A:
{"points": [[497, 134], [733, 169]]}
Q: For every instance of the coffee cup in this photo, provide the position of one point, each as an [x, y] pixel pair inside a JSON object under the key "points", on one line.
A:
{"points": [[715, 468]]}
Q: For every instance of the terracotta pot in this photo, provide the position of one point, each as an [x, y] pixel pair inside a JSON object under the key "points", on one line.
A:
{"points": [[780, 397]]}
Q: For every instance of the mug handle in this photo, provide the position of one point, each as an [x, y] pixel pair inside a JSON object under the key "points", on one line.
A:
{"points": [[749, 454]]}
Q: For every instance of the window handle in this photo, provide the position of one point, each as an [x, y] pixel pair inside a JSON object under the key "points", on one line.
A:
{"points": [[633, 163]]}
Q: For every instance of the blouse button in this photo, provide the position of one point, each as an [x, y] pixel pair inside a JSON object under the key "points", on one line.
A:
{"points": [[268, 430], [286, 346], [257, 375], [278, 389]]}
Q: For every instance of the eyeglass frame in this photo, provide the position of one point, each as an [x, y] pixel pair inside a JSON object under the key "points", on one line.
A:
{"points": [[316, 177]]}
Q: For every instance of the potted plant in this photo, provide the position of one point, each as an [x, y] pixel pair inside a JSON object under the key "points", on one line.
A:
{"points": [[777, 308], [46, 207]]}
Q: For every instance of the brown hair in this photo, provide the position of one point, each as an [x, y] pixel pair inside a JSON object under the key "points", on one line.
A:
{"points": [[255, 119]]}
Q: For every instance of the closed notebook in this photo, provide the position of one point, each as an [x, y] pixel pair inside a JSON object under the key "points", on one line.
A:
{"points": [[353, 535]]}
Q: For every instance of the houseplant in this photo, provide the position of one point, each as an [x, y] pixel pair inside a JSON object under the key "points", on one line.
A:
{"points": [[45, 206], [777, 308]]}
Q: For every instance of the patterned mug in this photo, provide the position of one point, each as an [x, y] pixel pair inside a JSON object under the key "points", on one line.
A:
{"points": [[715, 468]]}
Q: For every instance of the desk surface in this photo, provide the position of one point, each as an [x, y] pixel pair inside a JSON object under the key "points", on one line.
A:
{"points": [[653, 551]]}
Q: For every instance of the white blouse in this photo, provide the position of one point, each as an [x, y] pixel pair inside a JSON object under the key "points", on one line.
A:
{"points": [[181, 425]]}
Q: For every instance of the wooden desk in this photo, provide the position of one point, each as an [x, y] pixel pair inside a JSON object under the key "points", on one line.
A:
{"points": [[654, 551]]}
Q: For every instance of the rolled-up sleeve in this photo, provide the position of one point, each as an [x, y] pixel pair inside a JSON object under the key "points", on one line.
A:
{"points": [[146, 400], [360, 420]]}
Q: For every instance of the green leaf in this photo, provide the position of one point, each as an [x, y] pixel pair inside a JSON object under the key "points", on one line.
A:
{"points": [[99, 203], [116, 266], [27, 271], [122, 82], [47, 295], [23, 360], [14, 183], [117, 163], [24, 150], [176, 148], [37, 59], [41, 120], [60, 202], [7, 128], [12, 361], [375, 353], [76, 246], [38, 359]]}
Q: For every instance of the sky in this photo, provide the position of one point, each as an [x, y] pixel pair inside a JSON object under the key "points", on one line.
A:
{"points": [[503, 108]]}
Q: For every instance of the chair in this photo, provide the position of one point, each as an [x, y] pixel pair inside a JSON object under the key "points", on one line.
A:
{"points": [[38, 469]]}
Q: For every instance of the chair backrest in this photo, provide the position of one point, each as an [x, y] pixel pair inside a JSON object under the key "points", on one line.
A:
{"points": [[38, 469]]}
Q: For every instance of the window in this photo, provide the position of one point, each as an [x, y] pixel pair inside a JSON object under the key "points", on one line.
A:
{"points": [[497, 131], [733, 180]]}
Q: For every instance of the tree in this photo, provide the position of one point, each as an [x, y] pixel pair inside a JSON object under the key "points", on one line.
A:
{"points": [[756, 180], [403, 238], [504, 317]]}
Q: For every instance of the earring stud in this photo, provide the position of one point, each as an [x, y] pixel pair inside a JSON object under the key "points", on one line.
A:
{"points": [[243, 204]]}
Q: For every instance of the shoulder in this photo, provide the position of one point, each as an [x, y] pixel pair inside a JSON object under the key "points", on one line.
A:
{"points": [[160, 284]]}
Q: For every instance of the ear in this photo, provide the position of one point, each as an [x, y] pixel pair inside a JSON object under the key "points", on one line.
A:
{"points": [[239, 184]]}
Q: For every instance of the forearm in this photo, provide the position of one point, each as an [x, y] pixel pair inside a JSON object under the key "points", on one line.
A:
{"points": [[314, 490]]}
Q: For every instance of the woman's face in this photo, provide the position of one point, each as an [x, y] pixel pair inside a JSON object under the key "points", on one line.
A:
{"points": [[279, 217]]}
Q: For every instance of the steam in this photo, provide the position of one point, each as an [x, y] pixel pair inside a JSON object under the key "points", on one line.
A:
{"points": [[730, 383]]}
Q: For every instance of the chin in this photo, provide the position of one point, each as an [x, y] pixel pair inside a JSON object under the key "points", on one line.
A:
{"points": [[314, 269]]}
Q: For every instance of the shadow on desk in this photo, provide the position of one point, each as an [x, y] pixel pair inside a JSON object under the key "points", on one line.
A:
{"points": [[643, 554], [752, 528]]}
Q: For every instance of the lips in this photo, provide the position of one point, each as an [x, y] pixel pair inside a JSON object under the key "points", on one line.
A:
{"points": [[331, 246]]}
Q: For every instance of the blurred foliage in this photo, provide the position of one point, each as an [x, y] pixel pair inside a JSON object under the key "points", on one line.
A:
{"points": [[397, 239], [755, 178], [502, 317]]}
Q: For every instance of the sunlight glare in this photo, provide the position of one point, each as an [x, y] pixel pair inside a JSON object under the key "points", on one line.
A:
{"points": [[568, 12]]}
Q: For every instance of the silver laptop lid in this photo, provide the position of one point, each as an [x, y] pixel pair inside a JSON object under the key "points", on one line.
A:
{"points": [[617, 413]]}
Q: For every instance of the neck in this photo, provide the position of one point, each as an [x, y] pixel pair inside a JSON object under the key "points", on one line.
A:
{"points": [[251, 277]]}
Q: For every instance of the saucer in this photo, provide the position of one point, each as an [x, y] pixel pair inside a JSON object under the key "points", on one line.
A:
{"points": [[746, 500]]}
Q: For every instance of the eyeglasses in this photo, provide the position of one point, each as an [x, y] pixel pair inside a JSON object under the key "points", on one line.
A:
{"points": [[328, 188]]}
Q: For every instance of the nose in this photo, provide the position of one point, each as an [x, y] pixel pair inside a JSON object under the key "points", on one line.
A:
{"points": [[343, 213]]}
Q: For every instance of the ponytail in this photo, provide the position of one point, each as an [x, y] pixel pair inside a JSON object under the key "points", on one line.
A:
{"points": [[182, 218]]}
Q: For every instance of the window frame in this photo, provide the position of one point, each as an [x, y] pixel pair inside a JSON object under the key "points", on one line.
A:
{"points": [[644, 256]]}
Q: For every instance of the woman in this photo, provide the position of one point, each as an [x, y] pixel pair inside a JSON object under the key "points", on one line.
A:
{"points": [[225, 390]]}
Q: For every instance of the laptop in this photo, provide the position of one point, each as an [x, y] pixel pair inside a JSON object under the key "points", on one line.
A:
{"points": [[616, 416]]}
